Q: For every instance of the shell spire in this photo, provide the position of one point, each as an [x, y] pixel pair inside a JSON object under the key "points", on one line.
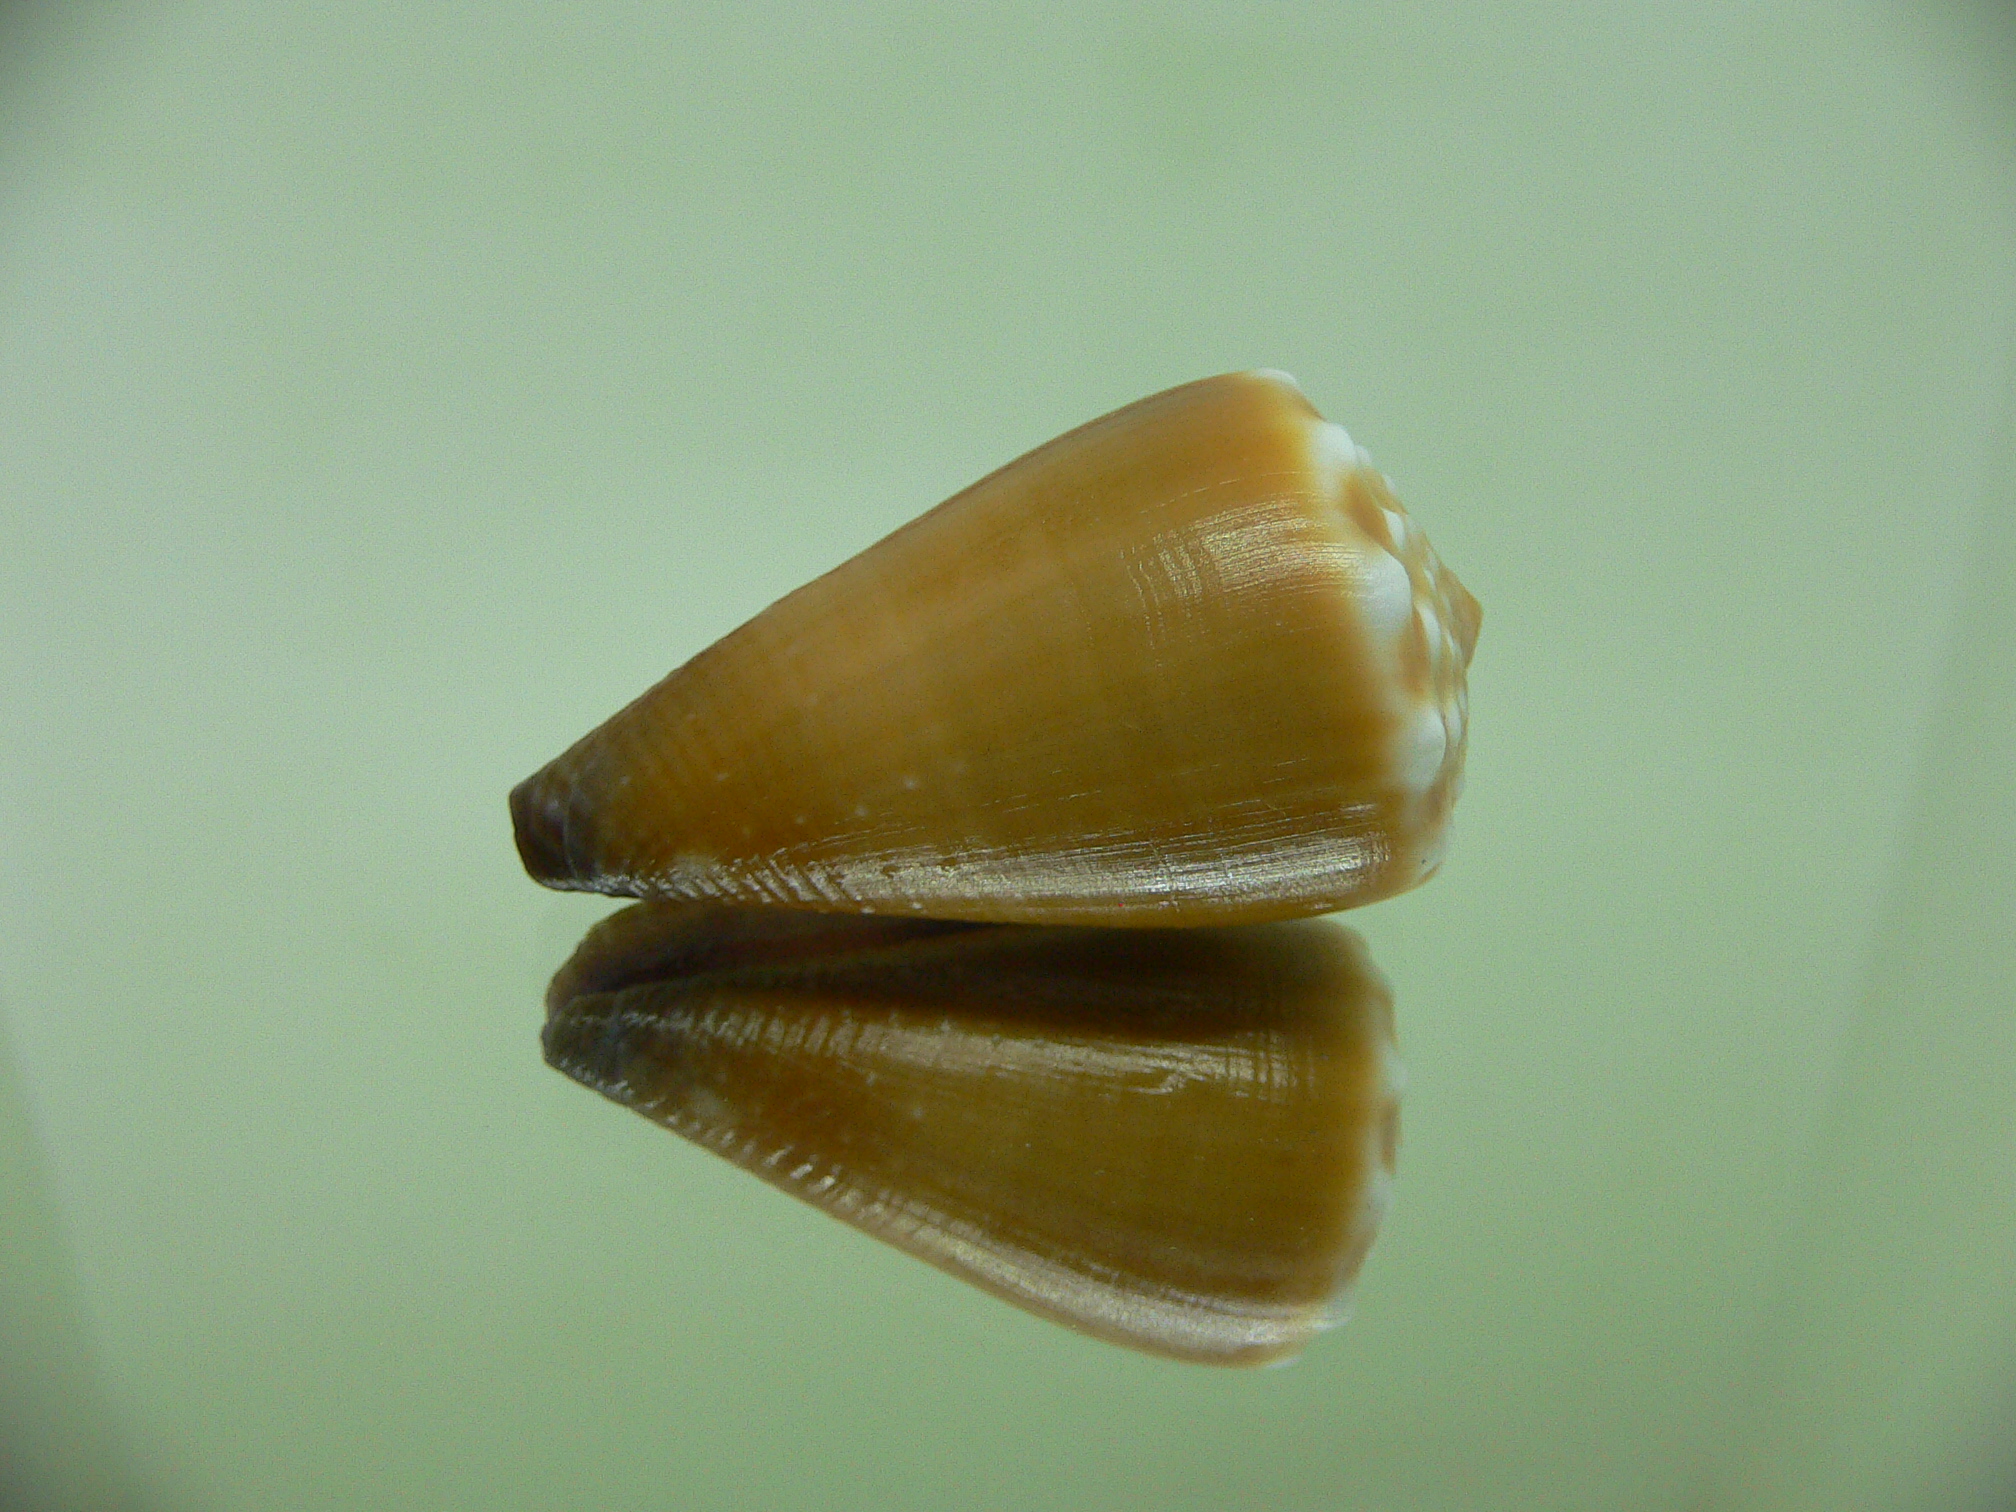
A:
{"points": [[1189, 664]]}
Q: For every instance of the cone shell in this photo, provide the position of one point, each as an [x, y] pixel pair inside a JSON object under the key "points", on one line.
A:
{"points": [[1189, 664], [1180, 1141]]}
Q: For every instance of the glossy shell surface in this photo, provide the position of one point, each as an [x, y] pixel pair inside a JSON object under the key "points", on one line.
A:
{"points": [[1189, 664]]}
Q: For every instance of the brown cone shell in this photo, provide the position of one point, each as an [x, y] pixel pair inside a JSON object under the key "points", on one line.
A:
{"points": [[1180, 1141], [1188, 664]]}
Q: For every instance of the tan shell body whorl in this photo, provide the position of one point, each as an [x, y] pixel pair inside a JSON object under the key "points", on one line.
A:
{"points": [[1188, 664], [1180, 1141]]}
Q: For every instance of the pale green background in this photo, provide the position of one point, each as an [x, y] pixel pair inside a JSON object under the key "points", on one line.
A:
{"points": [[387, 393]]}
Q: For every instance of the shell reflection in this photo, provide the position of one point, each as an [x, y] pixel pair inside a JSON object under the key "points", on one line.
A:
{"points": [[1180, 1141]]}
